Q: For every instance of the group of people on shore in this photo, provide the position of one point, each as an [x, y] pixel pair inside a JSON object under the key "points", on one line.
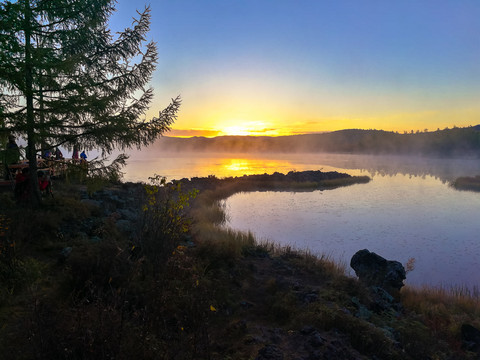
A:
{"points": [[56, 155], [75, 157], [12, 155], [22, 184]]}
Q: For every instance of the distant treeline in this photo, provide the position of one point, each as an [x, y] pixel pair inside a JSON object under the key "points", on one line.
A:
{"points": [[447, 142]]}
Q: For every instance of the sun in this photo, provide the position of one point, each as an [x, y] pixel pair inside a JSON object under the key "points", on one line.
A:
{"points": [[236, 130], [248, 128]]}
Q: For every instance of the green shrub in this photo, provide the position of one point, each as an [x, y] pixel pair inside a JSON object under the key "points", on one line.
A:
{"points": [[165, 221]]}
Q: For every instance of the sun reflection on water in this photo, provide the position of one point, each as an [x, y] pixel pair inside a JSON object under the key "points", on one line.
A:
{"points": [[237, 165], [188, 165], [250, 166]]}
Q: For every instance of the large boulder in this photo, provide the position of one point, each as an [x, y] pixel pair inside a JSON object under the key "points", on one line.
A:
{"points": [[374, 270]]}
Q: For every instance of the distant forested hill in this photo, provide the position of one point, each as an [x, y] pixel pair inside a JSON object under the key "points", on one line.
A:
{"points": [[447, 142]]}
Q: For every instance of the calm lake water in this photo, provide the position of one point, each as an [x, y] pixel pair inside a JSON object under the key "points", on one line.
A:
{"points": [[407, 211]]}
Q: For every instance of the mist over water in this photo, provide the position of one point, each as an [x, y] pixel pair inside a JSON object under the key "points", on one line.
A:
{"points": [[177, 165], [407, 211]]}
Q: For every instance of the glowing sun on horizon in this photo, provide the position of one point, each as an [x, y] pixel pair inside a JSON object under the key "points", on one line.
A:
{"points": [[245, 128], [236, 130]]}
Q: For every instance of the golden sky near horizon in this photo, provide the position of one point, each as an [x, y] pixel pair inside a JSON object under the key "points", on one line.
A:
{"points": [[258, 67]]}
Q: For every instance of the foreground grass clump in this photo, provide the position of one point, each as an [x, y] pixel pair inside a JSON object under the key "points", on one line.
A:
{"points": [[444, 311], [82, 280]]}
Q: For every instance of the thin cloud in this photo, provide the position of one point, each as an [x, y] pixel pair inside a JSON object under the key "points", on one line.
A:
{"points": [[192, 132]]}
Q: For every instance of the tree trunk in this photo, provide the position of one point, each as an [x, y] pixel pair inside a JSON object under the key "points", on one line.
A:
{"points": [[35, 196]]}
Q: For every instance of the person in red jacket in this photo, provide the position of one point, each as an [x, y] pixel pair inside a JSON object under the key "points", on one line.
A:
{"points": [[21, 185], [44, 182]]}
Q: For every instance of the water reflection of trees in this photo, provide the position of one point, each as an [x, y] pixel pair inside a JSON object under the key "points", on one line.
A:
{"points": [[445, 170]]}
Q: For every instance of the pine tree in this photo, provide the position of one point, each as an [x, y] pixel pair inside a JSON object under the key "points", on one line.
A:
{"points": [[66, 80]]}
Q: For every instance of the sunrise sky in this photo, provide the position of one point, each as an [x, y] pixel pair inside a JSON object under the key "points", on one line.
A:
{"points": [[277, 67]]}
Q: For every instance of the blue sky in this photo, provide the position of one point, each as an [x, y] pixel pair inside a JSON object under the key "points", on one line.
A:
{"points": [[281, 67]]}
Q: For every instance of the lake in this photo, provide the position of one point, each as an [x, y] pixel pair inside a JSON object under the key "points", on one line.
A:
{"points": [[407, 211]]}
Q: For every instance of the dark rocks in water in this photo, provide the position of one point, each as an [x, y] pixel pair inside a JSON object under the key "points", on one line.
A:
{"points": [[470, 338], [374, 270]]}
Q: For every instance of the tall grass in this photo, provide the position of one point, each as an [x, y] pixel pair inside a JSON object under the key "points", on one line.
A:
{"points": [[215, 241], [443, 311], [457, 302], [305, 258], [222, 246]]}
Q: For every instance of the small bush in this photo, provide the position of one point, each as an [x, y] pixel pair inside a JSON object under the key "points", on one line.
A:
{"points": [[165, 221]]}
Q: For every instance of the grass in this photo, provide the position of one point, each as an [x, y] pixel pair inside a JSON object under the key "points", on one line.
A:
{"points": [[226, 297], [429, 326], [441, 306]]}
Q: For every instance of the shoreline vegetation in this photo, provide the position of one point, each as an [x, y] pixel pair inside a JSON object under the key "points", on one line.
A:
{"points": [[470, 183], [149, 272], [292, 181]]}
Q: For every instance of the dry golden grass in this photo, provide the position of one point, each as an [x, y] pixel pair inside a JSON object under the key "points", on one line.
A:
{"points": [[451, 307]]}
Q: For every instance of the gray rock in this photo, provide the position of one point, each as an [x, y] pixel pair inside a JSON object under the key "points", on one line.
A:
{"points": [[95, 239], [250, 340], [310, 298], [81, 235], [125, 226], [246, 304], [117, 200], [270, 352], [383, 301], [362, 311], [374, 270], [307, 329], [316, 340], [128, 214], [64, 254], [91, 202]]}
